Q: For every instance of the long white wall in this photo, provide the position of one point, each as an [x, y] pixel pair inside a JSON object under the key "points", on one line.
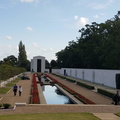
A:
{"points": [[104, 77]]}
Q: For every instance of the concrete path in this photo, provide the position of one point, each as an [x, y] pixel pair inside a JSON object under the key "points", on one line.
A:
{"points": [[106, 116]]}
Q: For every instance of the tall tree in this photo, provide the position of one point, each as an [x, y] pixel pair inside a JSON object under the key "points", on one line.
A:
{"points": [[22, 57]]}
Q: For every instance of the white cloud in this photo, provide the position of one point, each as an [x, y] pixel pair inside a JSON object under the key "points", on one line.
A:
{"points": [[50, 49], [36, 46], [96, 16], [99, 15], [8, 50], [96, 5], [27, 1], [39, 50], [76, 17], [83, 21], [9, 37], [29, 28]]}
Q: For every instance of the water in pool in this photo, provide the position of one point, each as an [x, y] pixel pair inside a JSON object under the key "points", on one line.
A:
{"points": [[54, 96]]}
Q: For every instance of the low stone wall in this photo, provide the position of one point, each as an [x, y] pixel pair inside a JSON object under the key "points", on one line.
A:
{"points": [[3, 83]]}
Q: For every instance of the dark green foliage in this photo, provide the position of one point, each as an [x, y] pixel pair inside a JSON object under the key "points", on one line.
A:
{"points": [[53, 64], [86, 85], [6, 105], [98, 47], [22, 57], [47, 65], [117, 81], [106, 93], [10, 60], [4, 90], [7, 71], [71, 80], [0, 105]]}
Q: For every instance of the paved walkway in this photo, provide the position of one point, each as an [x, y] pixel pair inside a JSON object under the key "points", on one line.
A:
{"points": [[103, 108], [24, 98]]}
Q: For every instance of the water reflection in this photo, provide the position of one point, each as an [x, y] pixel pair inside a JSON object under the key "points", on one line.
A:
{"points": [[54, 96]]}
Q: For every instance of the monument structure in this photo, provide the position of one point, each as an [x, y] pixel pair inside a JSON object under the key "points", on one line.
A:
{"points": [[38, 64]]}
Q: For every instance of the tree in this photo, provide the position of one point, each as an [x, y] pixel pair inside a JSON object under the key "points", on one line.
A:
{"points": [[98, 47], [10, 60], [47, 64], [53, 64], [22, 57]]}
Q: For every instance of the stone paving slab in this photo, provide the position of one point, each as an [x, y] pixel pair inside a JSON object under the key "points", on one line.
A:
{"points": [[44, 108], [106, 116]]}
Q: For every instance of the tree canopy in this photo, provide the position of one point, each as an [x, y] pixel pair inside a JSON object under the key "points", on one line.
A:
{"points": [[22, 57], [98, 47]]}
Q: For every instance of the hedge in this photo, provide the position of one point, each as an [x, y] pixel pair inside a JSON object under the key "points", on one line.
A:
{"points": [[78, 82], [106, 93]]}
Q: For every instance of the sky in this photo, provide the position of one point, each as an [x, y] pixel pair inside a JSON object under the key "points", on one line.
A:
{"points": [[46, 27]]}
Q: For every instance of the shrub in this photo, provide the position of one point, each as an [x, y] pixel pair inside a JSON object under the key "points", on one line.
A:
{"points": [[86, 86], [106, 93], [78, 82], [0, 105], [6, 105]]}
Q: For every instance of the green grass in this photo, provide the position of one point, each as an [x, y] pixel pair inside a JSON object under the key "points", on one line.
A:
{"points": [[16, 80], [12, 83], [4, 90], [118, 114], [51, 116]]}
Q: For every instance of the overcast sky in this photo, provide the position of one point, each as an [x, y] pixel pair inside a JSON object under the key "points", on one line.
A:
{"points": [[46, 26]]}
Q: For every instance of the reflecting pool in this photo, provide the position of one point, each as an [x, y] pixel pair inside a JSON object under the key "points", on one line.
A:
{"points": [[54, 96]]}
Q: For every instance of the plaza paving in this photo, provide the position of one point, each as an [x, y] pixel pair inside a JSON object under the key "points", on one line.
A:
{"points": [[102, 108]]}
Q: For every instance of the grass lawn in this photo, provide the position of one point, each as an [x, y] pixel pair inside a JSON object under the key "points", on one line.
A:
{"points": [[12, 83], [118, 114], [17, 80], [51, 116], [4, 90]]}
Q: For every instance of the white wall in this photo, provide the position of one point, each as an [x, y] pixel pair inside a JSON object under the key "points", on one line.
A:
{"points": [[56, 71], [105, 77]]}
